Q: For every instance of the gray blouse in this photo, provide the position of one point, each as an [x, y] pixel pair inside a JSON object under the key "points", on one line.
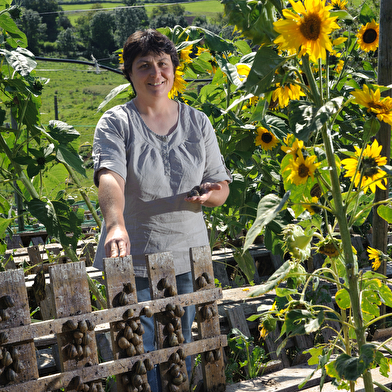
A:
{"points": [[158, 172]]}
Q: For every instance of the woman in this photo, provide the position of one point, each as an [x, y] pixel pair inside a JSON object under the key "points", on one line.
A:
{"points": [[148, 153]]}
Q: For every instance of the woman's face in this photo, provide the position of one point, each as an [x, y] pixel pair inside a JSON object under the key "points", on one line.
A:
{"points": [[152, 75]]}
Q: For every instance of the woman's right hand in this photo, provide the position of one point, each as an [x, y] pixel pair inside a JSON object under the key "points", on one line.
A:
{"points": [[117, 242]]}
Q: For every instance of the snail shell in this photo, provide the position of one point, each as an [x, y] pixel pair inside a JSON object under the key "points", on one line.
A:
{"points": [[87, 339], [139, 349], [93, 388], [79, 350], [147, 311], [174, 370], [180, 337], [83, 326], [128, 314], [120, 325], [208, 277], [206, 312], [170, 307], [179, 311], [123, 299], [209, 356], [128, 333], [71, 351], [169, 328], [131, 350], [90, 325], [175, 358], [146, 387], [7, 359], [140, 367], [123, 343], [176, 324], [100, 387], [163, 283], [86, 351], [148, 364], [3, 337], [129, 288], [140, 330], [201, 282], [133, 324], [181, 353], [71, 325], [78, 341], [10, 374], [18, 366], [173, 340], [4, 315], [184, 376], [170, 291], [177, 380], [14, 352], [217, 354], [7, 301], [136, 339], [78, 335], [137, 380]]}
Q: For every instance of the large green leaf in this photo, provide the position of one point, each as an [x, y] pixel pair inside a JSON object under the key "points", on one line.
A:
{"points": [[342, 298], [385, 212], [15, 36], [246, 263], [213, 41], [279, 275], [70, 157], [4, 224], [385, 295], [112, 94], [268, 208], [262, 72], [21, 60], [62, 132], [351, 368]]}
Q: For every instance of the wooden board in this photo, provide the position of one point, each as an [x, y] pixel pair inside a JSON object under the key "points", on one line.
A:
{"points": [[71, 297], [120, 291], [213, 366], [160, 267], [17, 312]]}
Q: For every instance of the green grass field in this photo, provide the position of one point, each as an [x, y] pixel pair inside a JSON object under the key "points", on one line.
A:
{"points": [[207, 8]]}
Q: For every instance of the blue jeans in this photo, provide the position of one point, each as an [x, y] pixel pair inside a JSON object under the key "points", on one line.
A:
{"points": [[184, 286]]}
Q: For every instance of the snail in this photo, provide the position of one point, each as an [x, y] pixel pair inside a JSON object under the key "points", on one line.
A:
{"points": [[10, 374], [90, 325], [196, 191], [217, 354], [128, 314], [181, 353], [71, 325], [179, 311], [14, 352], [137, 380], [163, 284], [129, 288], [82, 326], [170, 307], [7, 359], [131, 350], [147, 311], [128, 333], [139, 349], [146, 387], [87, 339], [176, 324], [173, 340], [140, 330], [78, 334], [18, 366], [120, 325], [180, 337], [71, 351], [78, 341], [4, 315], [7, 302], [170, 291], [201, 282], [174, 370], [140, 367], [86, 351], [136, 340], [123, 343], [123, 299], [148, 364], [175, 357], [207, 277], [178, 380], [133, 324], [169, 328], [206, 312], [79, 350], [209, 356], [173, 388]]}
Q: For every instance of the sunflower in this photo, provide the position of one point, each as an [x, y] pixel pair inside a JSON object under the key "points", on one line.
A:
{"points": [[339, 66], [292, 147], [329, 248], [120, 57], [307, 29], [369, 170], [185, 54], [265, 139], [381, 107], [301, 168], [243, 70], [179, 85], [310, 205], [377, 256], [368, 36], [339, 4], [283, 94]]}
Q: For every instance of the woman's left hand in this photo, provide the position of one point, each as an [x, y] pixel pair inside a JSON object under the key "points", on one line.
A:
{"points": [[215, 194]]}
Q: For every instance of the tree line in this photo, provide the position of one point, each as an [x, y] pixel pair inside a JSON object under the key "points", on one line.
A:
{"points": [[97, 32]]}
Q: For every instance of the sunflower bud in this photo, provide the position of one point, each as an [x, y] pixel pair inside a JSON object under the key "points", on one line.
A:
{"points": [[296, 242]]}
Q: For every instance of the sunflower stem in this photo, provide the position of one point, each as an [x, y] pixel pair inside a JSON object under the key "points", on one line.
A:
{"points": [[352, 277]]}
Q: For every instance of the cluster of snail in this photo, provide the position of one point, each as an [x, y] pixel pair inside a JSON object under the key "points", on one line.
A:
{"points": [[172, 320], [9, 360], [208, 312], [123, 298], [212, 356], [204, 279], [134, 380], [129, 337], [6, 302], [80, 339], [177, 376], [169, 289], [78, 385]]}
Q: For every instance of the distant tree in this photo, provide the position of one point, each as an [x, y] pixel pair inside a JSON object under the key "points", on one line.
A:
{"points": [[127, 21], [130, 3], [67, 42], [102, 34], [50, 10], [173, 9], [31, 24], [168, 20], [63, 21]]}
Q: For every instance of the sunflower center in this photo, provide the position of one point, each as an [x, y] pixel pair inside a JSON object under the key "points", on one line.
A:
{"points": [[266, 138], [376, 105], [369, 167], [311, 27], [369, 36], [303, 170]]}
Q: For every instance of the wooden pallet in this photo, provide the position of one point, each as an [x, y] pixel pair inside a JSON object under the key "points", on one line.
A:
{"points": [[75, 326]]}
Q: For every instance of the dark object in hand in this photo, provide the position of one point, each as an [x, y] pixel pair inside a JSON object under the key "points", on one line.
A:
{"points": [[196, 191]]}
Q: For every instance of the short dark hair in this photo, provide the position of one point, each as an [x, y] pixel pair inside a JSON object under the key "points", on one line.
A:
{"points": [[143, 42]]}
